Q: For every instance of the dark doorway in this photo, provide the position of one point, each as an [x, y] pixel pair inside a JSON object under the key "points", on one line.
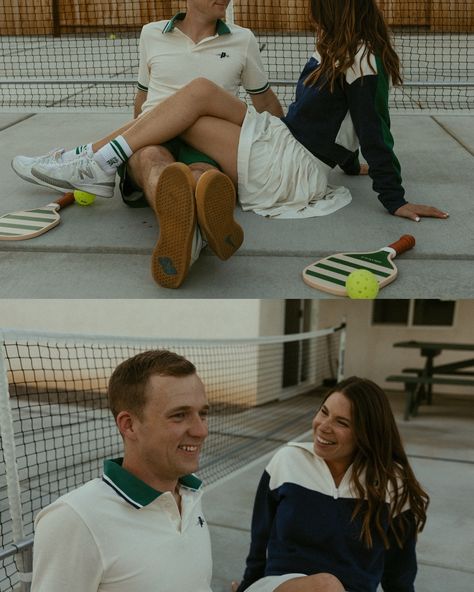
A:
{"points": [[296, 353]]}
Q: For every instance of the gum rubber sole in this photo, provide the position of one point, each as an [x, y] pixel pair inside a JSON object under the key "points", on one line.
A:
{"points": [[176, 212], [215, 203]]}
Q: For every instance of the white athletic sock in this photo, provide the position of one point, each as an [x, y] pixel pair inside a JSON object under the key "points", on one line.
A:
{"points": [[75, 152], [113, 154]]}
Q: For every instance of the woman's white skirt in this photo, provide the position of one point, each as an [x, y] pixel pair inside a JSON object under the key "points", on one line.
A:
{"points": [[278, 176]]}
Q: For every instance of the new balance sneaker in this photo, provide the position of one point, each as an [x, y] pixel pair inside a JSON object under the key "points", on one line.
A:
{"points": [[80, 173], [215, 203], [175, 209], [22, 165]]}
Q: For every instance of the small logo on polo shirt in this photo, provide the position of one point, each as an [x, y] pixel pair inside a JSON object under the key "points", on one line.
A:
{"points": [[200, 521], [223, 54]]}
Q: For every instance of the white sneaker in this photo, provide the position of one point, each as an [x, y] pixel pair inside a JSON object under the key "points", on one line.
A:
{"points": [[22, 165], [80, 173]]}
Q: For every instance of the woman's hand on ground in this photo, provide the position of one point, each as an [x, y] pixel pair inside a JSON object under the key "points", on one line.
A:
{"points": [[234, 585], [364, 169], [417, 211]]}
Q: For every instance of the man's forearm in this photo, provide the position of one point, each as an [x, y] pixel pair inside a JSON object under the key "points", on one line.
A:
{"points": [[268, 101], [274, 107]]}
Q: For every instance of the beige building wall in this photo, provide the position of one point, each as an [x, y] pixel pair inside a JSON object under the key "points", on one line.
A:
{"points": [[193, 319]]}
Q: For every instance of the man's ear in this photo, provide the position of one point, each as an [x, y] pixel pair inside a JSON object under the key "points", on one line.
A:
{"points": [[126, 423]]}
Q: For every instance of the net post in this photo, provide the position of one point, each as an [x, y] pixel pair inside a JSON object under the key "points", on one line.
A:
{"points": [[342, 352], [9, 453], [27, 569]]}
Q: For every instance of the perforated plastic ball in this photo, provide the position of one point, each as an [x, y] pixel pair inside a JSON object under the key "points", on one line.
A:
{"points": [[362, 284]]}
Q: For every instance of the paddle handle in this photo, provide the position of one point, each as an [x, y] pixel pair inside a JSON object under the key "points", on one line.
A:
{"points": [[65, 200], [404, 243]]}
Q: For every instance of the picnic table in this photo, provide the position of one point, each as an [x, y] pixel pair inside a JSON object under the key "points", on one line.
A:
{"points": [[419, 381]]}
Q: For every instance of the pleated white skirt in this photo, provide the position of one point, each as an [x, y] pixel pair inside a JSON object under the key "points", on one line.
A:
{"points": [[278, 176]]}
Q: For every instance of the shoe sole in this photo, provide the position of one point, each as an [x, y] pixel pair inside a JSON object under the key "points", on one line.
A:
{"points": [[215, 203], [176, 213], [97, 189]]}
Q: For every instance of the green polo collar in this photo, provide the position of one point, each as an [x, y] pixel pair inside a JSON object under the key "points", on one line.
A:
{"points": [[221, 27], [134, 490]]}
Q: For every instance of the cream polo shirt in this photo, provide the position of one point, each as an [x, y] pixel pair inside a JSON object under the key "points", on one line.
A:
{"points": [[117, 534], [169, 60]]}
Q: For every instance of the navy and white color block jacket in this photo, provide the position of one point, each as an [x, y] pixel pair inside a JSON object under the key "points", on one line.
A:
{"points": [[302, 524], [332, 125]]}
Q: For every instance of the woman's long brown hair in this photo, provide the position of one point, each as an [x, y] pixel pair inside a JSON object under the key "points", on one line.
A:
{"points": [[380, 464], [342, 26]]}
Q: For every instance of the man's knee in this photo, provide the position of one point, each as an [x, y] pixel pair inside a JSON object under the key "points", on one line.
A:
{"points": [[148, 160], [322, 582], [202, 88], [325, 582], [150, 156]]}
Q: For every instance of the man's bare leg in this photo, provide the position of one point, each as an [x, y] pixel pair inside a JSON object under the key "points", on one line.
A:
{"points": [[145, 167], [323, 582], [318, 583], [180, 112], [202, 113], [118, 132]]}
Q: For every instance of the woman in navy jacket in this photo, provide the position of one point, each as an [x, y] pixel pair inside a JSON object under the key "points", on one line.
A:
{"points": [[341, 513]]}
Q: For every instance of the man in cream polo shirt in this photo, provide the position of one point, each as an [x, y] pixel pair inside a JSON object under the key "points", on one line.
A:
{"points": [[140, 527], [191, 45], [194, 44]]}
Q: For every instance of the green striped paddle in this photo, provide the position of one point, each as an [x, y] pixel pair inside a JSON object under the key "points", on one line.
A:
{"points": [[30, 223], [330, 274]]}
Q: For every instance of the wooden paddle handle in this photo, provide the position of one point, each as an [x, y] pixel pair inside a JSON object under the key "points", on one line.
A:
{"points": [[404, 243], [66, 200]]}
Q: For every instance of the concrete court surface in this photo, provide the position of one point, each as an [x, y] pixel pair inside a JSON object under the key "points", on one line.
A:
{"points": [[103, 251], [440, 445]]}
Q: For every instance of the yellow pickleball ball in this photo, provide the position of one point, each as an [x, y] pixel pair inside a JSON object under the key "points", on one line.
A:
{"points": [[362, 284], [83, 198]]}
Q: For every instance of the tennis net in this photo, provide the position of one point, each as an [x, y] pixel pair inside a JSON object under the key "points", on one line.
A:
{"points": [[56, 429], [77, 54]]}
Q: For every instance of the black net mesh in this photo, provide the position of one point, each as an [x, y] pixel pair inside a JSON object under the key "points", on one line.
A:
{"points": [[83, 54]]}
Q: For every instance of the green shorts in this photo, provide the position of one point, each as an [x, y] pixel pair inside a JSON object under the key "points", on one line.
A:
{"points": [[133, 195]]}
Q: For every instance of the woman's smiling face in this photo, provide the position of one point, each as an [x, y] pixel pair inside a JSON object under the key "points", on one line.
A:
{"points": [[333, 432]]}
